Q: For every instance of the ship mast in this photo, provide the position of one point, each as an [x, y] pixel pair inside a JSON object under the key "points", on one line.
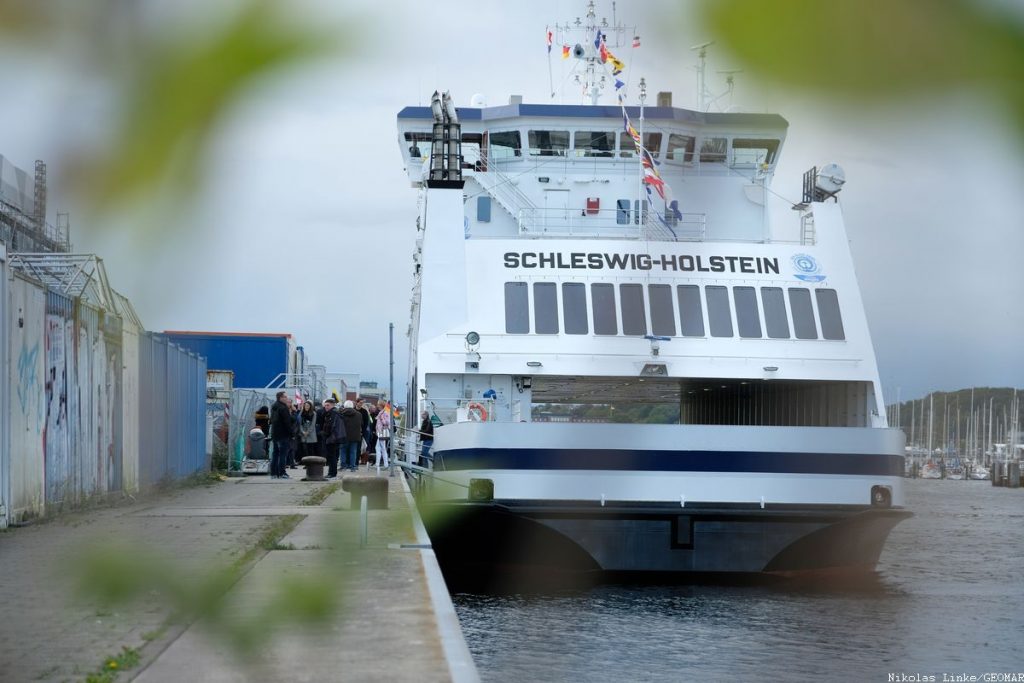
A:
{"points": [[583, 38]]}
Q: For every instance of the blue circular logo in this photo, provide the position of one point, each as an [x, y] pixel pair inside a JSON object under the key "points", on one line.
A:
{"points": [[807, 268]]}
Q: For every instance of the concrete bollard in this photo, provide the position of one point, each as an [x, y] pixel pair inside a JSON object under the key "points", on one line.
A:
{"points": [[314, 465], [364, 523], [375, 489]]}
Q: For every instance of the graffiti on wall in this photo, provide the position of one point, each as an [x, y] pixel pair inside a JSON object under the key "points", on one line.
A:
{"points": [[55, 435], [29, 395]]}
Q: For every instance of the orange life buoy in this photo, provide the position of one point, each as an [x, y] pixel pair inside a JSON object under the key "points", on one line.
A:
{"points": [[477, 413]]}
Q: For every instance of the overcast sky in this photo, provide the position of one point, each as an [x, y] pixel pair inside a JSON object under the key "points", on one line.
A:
{"points": [[305, 222]]}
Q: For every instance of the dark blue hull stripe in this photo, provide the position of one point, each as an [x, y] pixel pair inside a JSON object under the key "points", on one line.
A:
{"points": [[667, 461]]}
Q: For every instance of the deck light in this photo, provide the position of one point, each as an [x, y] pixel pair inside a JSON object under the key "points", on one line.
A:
{"points": [[771, 368], [534, 363]]}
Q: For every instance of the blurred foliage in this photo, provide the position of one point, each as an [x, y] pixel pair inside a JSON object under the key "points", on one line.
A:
{"points": [[119, 573], [170, 82], [877, 50]]}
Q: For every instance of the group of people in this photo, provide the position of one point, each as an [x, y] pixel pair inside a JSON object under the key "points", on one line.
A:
{"points": [[338, 435]]}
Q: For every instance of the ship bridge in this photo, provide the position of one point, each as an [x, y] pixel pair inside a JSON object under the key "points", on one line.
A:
{"points": [[543, 240], [536, 171]]}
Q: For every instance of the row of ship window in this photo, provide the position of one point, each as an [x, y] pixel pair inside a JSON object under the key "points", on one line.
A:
{"points": [[589, 143], [788, 313]]}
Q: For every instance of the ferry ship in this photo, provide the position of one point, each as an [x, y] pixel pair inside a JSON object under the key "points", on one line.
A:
{"points": [[629, 367]]}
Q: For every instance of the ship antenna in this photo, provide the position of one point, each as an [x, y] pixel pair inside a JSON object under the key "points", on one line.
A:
{"points": [[702, 89]]}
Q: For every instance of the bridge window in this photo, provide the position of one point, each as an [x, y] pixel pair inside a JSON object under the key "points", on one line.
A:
{"points": [[680, 147], [691, 314], [602, 299], [775, 312], [627, 148], [634, 313], [593, 143], [803, 313], [419, 146], [719, 313], [752, 152], [828, 311], [545, 308], [504, 144], [747, 317], [713, 149], [517, 308], [574, 307], [663, 316], [548, 143]]}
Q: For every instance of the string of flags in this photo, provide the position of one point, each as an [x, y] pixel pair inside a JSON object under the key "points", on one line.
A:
{"points": [[600, 45], [652, 178]]}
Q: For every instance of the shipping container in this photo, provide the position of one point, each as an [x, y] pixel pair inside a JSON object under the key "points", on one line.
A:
{"points": [[256, 360]]}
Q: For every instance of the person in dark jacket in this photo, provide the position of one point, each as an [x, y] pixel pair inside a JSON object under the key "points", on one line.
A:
{"points": [[353, 434], [282, 432], [426, 438], [367, 423], [332, 434]]}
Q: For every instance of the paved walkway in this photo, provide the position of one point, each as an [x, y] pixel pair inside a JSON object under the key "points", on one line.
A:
{"points": [[390, 626]]}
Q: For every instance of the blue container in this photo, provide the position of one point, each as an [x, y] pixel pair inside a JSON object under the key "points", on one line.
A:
{"points": [[256, 359]]}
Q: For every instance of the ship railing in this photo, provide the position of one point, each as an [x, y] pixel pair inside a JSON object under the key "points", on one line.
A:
{"points": [[503, 188], [451, 410], [416, 461], [670, 227], [612, 223]]}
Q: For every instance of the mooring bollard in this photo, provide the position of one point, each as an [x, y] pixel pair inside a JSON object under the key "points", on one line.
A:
{"points": [[364, 520], [314, 465]]}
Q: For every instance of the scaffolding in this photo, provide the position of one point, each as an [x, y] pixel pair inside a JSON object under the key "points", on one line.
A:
{"points": [[23, 226], [79, 276]]}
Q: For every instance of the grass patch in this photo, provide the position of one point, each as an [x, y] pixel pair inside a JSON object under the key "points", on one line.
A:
{"points": [[283, 546], [278, 529], [128, 658], [320, 495]]}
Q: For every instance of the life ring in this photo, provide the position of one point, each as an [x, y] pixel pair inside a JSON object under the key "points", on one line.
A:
{"points": [[477, 413]]}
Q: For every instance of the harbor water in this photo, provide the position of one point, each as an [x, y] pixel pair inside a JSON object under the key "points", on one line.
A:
{"points": [[948, 598]]}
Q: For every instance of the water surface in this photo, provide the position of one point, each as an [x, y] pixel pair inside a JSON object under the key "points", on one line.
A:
{"points": [[948, 598]]}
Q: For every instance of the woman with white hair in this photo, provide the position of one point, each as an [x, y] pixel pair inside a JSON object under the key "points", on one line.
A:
{"points": [[383, 429]]}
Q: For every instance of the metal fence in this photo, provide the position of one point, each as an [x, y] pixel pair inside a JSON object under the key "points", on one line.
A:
{"points": [[172, 411], [241, 420]]}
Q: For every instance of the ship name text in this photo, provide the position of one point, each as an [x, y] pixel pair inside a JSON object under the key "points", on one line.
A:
{"points": [[667, 262]]}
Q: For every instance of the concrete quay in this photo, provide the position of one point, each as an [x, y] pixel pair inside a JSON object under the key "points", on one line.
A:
{"points": [[395, 621]]}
